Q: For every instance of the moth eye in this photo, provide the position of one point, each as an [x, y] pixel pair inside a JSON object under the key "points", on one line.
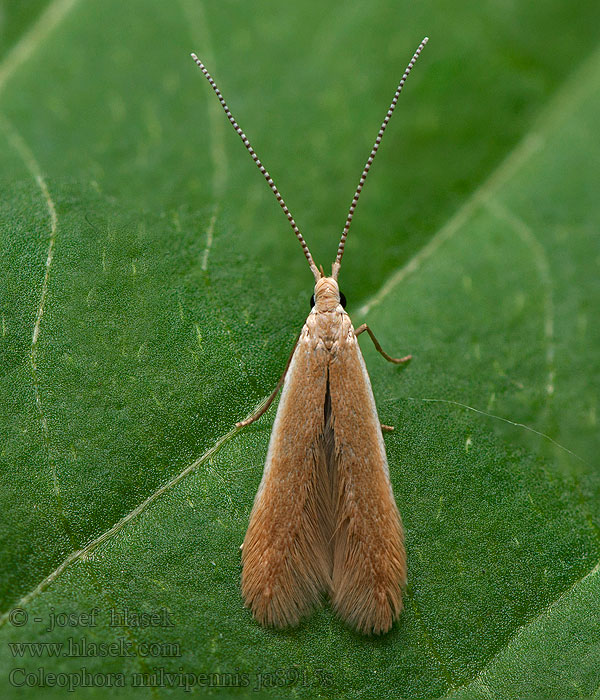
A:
{"points": [[312, 301], [342, 300]]}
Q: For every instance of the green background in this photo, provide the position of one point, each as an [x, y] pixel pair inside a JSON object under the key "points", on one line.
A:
{"points": [[151, 290]]}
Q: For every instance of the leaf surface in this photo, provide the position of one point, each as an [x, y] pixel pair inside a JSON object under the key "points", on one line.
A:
{"points": [[151, 291]]}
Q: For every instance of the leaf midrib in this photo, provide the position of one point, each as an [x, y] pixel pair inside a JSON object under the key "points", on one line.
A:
{"points": [[522, 628]]}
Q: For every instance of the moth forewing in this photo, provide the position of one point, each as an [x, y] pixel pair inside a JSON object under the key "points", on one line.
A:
{"points": [[286, 554], [369, 566]]}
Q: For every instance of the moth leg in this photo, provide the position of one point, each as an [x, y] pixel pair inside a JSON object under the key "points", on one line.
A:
{"points": [[400, 361], [263, 408], [386, 428]]}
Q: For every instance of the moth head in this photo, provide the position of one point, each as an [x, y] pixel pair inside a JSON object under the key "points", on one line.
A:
{"points": [[327, 296]]}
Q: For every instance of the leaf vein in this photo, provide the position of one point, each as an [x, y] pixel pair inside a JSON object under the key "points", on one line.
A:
{"points": [[196, 18], [430, 643], [82, 554], [564, 101], [478, 679], [31, 163], [542, 263], [29, 42]]}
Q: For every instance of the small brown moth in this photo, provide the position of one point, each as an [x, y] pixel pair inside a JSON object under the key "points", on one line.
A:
{"points": [[324, 519]]}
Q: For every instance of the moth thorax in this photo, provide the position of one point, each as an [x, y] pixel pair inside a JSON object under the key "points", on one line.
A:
{"points": [[327, 294]]}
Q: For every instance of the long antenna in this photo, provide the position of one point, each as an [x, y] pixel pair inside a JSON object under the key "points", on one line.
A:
{"points": [[261, 167], [365, 172]]}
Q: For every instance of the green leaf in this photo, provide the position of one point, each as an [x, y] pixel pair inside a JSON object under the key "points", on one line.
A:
{"points": [[150, 292]]}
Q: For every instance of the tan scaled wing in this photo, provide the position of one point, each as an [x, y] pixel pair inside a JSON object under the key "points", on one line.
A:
{"points": [[287, 551], [369, 563]]}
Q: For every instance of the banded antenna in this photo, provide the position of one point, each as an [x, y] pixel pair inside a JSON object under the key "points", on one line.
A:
{"points": [[365, 172], [261, 167]]}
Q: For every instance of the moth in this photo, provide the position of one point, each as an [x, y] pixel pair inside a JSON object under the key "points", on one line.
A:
{"points": [[324, 520]]}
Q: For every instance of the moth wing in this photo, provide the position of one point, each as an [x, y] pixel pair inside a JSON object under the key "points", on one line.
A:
{"points": [[369, 562], [286, 554]]}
